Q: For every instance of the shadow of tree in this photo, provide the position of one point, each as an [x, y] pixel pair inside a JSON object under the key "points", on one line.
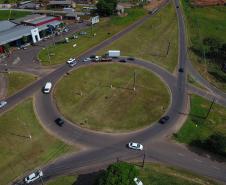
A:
{"points": [[88, 179]]}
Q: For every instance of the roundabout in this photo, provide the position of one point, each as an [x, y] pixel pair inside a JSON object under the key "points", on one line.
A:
{"points": [[111, 97]]}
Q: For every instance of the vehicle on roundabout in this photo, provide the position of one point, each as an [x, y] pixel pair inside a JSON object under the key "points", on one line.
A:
{"points": [[47, 87], [71, 62], [59, 122], [34, 176], [137, 181], [164, 119], [3, 103], [135, 146]]}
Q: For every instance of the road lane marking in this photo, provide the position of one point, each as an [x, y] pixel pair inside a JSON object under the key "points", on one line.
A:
{"points": [[180, 154], [198, 160]]}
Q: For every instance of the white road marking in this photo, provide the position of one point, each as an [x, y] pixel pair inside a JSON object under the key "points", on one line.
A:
{"points": [[180, 154], [198, 160], [216, 167]]}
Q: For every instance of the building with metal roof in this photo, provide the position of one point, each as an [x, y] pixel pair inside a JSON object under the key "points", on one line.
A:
{"points": [[29, 26]]}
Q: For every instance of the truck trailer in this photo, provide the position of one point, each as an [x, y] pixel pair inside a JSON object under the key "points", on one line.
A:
{"points": [[113, 53]]}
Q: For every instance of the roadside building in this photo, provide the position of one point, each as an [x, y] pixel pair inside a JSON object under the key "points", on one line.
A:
{"points": [[29, 29], [28, 5], [60, 4]]}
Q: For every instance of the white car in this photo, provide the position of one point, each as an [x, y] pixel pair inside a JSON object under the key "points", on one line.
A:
{"points": [[137, 181], [135, 146], [47, 87], [2, 103], [34, 176], [87, 59], [70, 60]]}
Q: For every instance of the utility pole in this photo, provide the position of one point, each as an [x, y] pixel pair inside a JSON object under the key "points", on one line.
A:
{"points": [[134, 81], [143, 160], [210, 108]]}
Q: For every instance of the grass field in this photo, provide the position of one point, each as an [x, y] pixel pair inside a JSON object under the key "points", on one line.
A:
{"points": [[5, 14], [206, 22], [85, 97], [19, 153], [17, 81], [152, 174], [151, 40], [197, 127], [105, 29]]}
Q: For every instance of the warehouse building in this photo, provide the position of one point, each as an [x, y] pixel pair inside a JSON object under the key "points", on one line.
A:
{"points": [[30, 28]]}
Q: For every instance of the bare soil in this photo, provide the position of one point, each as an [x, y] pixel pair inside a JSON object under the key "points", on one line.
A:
{"points": [[208, 2], [154, 4]]}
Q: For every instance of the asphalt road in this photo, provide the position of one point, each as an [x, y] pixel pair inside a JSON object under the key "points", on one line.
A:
{"points": [[103, 148]]}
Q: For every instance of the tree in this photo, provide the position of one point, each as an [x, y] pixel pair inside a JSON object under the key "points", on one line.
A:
{"points": [[106, 7], [119, 174], [24, 39], [6, 48]]}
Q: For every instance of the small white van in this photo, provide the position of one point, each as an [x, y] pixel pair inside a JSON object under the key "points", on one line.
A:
{"points": [[47, 87]]}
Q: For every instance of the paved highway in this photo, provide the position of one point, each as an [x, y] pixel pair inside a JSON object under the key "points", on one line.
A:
{"points": [[102, 149]]}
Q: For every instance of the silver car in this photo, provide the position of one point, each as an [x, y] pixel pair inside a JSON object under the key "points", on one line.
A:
{"points": [[2, 104], [135, 146], [32, 177]]}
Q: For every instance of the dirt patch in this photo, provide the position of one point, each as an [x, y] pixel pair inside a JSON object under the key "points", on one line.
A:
{"points": [[153, 4], [208, 2]]}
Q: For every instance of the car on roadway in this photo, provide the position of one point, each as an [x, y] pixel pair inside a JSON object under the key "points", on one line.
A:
{"points": [[164, 119], [135, 146], [137, 181], [47, 87], [34, 176], [122, 60], [59, 122], [3, 103], [130, 58], [72, 64], [88, 59], [181, 70], [70, 60]]}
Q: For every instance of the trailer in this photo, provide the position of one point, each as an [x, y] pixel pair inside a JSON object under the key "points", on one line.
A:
{"points": [[113, 53]]}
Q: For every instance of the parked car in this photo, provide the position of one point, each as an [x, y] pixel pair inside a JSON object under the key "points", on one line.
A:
{"points": [[135, 146], [137, 181], [164, 119], [87, 59], [59, 121], [2, 103], [47, 87], [32, 177]]}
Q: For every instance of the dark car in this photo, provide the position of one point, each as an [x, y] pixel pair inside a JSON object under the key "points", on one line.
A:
{"points": [[181, 70], [130, 58], [164, 119], [122, 60], [59, 121]]}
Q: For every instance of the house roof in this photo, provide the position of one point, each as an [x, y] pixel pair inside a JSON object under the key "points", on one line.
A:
{"points": [[5, 25]]}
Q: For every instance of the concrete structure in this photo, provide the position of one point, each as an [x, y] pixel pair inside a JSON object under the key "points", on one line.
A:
{"points": [[31, 26], [60, 3]]}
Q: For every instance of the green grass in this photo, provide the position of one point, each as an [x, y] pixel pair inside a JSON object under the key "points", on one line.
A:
{"points": [[156, 174], [196, 128], [151, 174], [17, 81], [5, 14], [85, 97], [62, 51], [19, 153], [150, 41], [63, 180], [206, 22]]}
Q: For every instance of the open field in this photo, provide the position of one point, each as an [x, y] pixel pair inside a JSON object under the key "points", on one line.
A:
{"points": [[17, 81], [155, 40], [105, 29], [91, 102], [203, 23], [20, 153], [151, 174], [199, 127], [5, 14]]}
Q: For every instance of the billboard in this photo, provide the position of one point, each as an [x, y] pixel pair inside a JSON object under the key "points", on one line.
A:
{"points": [[95, 19]]}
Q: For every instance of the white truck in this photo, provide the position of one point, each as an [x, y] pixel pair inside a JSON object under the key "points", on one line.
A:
{"points": [[113, 53]]}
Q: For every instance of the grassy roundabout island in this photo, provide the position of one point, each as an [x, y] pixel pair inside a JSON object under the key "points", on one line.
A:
{"points": [[86, 97]]}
